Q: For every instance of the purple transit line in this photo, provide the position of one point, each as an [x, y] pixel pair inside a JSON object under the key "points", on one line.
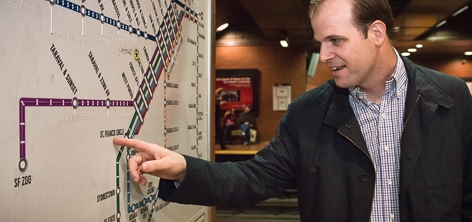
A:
{"points": [[24, 102]]}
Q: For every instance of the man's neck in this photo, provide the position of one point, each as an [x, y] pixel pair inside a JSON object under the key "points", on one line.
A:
{"points": [[374, 93]]}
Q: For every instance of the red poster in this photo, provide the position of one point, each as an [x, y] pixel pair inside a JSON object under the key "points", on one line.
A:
{"points": [[239, 88], [237, 92]]}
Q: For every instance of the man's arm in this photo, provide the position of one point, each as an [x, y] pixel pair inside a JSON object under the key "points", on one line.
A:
{"points": [[153, 159]]}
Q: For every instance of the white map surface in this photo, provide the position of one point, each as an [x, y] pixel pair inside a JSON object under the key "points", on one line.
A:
{"points": [[75, 74]]}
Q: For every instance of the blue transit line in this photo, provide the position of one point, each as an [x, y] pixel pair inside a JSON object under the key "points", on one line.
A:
{"points": [[102, 18]]}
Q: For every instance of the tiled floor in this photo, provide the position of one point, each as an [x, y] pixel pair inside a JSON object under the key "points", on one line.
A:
{"points": [[280, 209], [256, 216]]}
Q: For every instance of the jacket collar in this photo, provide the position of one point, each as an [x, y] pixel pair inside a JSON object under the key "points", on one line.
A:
{"points": [[421, 82]]}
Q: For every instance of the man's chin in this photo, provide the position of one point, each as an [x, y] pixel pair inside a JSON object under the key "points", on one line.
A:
{"points": [[341, 84]]}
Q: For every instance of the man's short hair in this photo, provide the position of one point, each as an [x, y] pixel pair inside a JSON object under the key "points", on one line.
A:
{"points": [[364, 13]]}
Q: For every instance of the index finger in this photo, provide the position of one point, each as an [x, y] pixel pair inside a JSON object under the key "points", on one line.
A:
{"points": [[138, 145], [135, 162]]}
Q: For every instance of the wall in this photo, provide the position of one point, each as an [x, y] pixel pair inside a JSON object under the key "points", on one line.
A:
{"points": [[277, 65], [288, 65], [460, 66]]}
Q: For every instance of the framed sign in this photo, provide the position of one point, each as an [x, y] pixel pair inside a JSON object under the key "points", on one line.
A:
{"points": [[240, 87], [282, 96]]}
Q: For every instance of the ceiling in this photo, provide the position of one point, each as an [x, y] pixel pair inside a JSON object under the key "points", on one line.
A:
{"points": [[261, 22]]}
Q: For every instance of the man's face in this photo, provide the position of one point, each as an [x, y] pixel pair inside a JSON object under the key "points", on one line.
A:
{"points": [[344, 47]]}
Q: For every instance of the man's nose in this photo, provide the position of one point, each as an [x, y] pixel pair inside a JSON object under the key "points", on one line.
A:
{"points": [[325, 53]]}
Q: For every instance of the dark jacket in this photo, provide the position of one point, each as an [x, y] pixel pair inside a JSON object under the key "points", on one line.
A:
{"points": [[246, 117], [319, 148]]}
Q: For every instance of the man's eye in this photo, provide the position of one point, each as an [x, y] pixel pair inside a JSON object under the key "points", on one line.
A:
{"points": [[335, 41]]}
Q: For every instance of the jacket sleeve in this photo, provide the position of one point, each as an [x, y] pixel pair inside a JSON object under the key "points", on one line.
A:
{"points": [[245, 183]]}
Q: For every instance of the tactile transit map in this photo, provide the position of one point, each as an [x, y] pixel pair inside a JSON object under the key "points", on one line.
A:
{"points": [[75, 74]]}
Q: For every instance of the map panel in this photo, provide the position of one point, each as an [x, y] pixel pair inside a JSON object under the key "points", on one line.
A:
{"points": [[75, 74]]}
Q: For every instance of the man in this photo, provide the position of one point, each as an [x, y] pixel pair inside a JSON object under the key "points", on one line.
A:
{"points": [[229, 124], [246, 122], [218, 115], [386, 140]]}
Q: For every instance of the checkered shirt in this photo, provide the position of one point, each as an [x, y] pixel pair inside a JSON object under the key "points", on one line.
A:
{"points": [[382, 126]]}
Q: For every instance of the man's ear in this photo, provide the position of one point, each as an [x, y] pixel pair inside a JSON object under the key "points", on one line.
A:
{"points": [[379, 31]]}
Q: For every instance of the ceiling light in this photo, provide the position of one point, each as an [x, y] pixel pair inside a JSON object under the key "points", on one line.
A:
{"points": [[284, 43], [411, 50], [440, 24], [222, 27], [419, 46], [405, 54], [283, 39], [460, 10], [468, 53]]}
